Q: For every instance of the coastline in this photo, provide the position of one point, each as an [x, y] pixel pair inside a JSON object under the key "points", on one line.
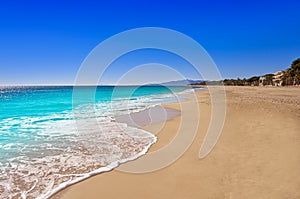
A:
{"points": [[252, 158], [72, 159], [134, 120]]}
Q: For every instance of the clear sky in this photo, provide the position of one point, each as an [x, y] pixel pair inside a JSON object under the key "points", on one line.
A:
{"points": [[45, 42]]}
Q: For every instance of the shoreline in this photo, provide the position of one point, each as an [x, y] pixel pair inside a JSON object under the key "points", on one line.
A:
{"points": [[140, 120], [135, 120], [235, 168], [149, 116], [85, 157]]}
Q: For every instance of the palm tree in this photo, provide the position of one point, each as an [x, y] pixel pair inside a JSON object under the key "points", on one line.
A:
{"points": [[287, 77], [295, 71]]}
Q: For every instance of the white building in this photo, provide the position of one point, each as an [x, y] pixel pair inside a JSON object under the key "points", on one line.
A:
{"points": [[261, 80], [277, 79]]}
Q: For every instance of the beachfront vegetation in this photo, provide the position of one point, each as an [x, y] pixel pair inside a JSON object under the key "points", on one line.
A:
{"points": [[288, 77], [292, 74]]}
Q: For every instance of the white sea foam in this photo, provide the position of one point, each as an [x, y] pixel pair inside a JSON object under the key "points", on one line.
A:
{"points": [[42, 169], [54, 153], [97, 171]]}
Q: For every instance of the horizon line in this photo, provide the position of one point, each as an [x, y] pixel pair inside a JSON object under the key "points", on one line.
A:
{"points": [[87, 85]]}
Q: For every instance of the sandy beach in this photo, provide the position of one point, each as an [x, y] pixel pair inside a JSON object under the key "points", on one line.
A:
{"points": [[257, 155]]}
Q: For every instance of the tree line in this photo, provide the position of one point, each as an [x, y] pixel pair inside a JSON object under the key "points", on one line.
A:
{"points": [[290, 76]]}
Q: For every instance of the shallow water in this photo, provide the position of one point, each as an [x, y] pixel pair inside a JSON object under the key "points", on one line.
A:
{"points": [[50, 138]]}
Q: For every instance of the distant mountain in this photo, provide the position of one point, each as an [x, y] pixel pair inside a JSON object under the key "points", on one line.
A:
{"points": [[179, 83]]}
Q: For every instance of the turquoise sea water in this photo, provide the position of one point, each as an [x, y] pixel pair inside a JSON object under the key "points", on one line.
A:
{"points": [[51, 137]]}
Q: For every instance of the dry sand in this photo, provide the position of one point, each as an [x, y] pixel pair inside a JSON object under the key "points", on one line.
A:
{"points": [[257, 155]]}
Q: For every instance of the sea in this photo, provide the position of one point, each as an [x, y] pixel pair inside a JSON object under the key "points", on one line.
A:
{"points": [[54, 136]]}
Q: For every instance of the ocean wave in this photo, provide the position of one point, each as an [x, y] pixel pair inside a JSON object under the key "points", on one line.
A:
{"points": [[43, 154]]}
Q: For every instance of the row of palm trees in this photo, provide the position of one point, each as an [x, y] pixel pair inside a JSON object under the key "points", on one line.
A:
{"points": [[290, 76]]}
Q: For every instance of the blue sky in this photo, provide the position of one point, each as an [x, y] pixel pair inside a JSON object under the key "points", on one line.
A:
{"points": [[45, 42]]}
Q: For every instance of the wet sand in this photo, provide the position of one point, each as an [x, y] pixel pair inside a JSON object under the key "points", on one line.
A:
{"points": [[153, 115], [257, 155]]}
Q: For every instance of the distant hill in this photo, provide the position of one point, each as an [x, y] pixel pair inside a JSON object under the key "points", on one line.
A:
{"points": [[178, 83]]}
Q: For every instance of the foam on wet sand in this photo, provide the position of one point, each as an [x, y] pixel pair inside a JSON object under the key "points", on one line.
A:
{"points": [[257, 155]]}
